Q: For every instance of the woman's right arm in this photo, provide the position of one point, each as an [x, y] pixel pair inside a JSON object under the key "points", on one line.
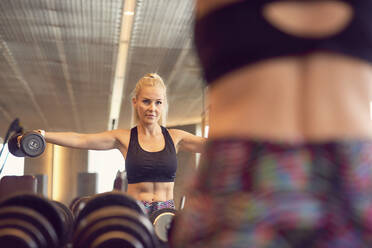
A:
{"points": [[96, 141]]}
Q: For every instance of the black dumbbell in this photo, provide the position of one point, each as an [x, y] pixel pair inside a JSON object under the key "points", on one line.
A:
{"points": [[78, 204], [38, 222], [29, 144], [24, 227], [112, 198], [113, 219], [67, 219], [162, 222]]}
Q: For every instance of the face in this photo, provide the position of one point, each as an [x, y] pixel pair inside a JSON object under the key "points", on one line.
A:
{"points": [[149, 104]]}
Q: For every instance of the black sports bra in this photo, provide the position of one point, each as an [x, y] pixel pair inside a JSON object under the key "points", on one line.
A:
{"points": [[144, 166], [239, 34]]}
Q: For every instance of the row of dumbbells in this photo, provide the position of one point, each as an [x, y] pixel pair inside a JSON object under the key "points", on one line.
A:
{"points": [[107, 220]]}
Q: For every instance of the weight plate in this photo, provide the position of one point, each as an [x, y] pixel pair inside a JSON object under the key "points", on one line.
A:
{"points": [[12, 237], [33, 217], [112, 198], [162, 219], [13, 146], [115, 224], [117, 212], [67, 220], [39, 204], [116, 239], [26, 227], [32, 144], [78, 205]]}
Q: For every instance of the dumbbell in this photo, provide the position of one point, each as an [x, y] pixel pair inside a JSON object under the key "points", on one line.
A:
{"points": [[30, 221], [163, 220], [113, 219], [78, 204], [67, 219], [29, 144]]}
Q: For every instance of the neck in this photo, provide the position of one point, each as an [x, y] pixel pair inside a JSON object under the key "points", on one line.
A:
{"points": [[153, 129]]}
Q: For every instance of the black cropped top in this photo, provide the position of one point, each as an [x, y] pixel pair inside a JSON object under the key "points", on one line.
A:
{"points": [[144, 166], [239, 34]]}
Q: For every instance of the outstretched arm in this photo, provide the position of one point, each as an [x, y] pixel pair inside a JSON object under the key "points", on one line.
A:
{"points": [[189, 142], [96, 141]]}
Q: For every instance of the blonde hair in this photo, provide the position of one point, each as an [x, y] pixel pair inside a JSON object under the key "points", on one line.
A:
{"points": [[154, 80]]}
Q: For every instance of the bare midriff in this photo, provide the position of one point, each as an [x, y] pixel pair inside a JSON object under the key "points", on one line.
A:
{"points": [[151, 191], [315, 98]]}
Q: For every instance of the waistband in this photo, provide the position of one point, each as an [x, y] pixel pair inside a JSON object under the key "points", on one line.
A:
{"points": [[153, 206], [230, 164]]}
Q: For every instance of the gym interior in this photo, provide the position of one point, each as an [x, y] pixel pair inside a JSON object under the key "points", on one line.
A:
{"points": [[72, 66]]}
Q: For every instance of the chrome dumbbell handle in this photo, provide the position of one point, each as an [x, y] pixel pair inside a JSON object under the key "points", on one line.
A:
{"points": [[182, 204]]}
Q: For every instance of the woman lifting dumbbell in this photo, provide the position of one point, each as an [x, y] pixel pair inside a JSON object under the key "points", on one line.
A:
{"points": [[149, 148]]}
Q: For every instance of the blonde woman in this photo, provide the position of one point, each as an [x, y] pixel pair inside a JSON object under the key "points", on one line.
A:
{"points": [[289, 157], [149, 148]]}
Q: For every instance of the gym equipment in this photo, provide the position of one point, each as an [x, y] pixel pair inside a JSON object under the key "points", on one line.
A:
{"points": [[44, 226], [10, 185], [24, 227], [112, 198], [119, 220], [78, 204], [13, 127], [113, 219], [162, 220], [67, 219], [30, 144], [121, 181]]}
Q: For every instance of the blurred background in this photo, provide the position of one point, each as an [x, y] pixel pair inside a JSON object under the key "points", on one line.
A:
{"points": [[72, 65]]}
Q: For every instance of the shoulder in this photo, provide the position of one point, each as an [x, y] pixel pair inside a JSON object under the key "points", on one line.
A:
{"points": [[187, 141], [176, 134], [120, 132], [123, 135], [179, 135]]}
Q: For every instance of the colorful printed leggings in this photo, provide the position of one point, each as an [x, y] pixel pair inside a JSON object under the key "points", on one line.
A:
{"points": [[259, 194], [153, 206]]}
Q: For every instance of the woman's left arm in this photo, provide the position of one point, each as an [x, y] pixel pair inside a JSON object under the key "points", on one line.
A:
{"points": [[189, 142]]}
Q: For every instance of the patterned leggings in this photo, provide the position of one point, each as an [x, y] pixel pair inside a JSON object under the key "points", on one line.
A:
{"points": [[153, 206], [265, 195]]}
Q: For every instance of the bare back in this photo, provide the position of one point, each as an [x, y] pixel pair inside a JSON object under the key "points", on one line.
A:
{"points": [[317, 97]]}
